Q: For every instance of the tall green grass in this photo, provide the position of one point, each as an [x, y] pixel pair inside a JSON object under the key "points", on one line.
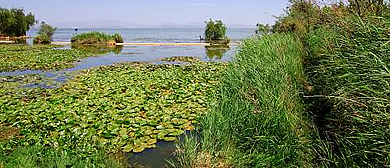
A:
{"points": [[258, 119], [349, 67], [39, 156]]}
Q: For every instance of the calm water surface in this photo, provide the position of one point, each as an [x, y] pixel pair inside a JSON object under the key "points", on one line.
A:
{"points": [[151, 35], [144, 53]]}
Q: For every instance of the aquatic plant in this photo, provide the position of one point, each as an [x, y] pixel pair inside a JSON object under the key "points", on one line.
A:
{"points": [[97, 38], [181, 59], [126, 107], [37, 57]]}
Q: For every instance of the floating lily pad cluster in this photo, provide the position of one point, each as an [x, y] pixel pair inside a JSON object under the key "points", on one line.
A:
{"points": [[42, 57], [126, 106], [181, 59]]}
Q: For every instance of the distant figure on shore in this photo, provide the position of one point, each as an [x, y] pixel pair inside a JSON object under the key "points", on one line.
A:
{"points": [[76, 31], [200, 38]]}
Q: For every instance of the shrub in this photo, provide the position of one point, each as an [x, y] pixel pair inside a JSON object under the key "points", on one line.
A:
{"points": [[263, 29], [215, 31], [44, 35], [42, 39], [118, 38], [97, 38], [14, 22]]}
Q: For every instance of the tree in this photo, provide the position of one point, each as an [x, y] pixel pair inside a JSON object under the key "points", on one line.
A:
{"points": [[45, 33], [263, 28], [215, 31], [14, 22]]}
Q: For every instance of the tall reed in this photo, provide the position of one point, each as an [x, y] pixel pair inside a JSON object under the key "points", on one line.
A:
{"points": [[349, 67], [258, 119]]}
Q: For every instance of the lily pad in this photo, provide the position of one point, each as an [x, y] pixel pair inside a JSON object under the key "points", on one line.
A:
{"points": [[138, 149], [128, 105], [176, 133], [169, 138], [128, 148]]}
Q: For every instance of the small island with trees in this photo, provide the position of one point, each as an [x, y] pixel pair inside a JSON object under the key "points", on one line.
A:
{"points": [[96, 38], [215, 33]]}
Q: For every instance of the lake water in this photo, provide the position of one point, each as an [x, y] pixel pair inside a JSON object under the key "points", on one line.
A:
{"points": [[142, 53], [151, 35]]}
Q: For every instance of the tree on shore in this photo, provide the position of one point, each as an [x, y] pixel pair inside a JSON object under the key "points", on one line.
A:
{"points": [[14, 22], [263, 28], [45, 34]]}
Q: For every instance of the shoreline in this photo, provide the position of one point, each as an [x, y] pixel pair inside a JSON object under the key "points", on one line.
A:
{"points": [[144, 44]]}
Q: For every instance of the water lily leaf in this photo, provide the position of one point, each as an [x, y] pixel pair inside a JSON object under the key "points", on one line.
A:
{"points": [[128, 148], [123, 131], [131, 134], [124, 137], [138, 149], [152, 141], [169, 138], [176, 133], [160, 136], [160, 127], [151, 146]]}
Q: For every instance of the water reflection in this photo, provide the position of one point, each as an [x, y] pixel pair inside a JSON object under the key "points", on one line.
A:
{"points": [[165, 151], [98, 49], [216, 52]]}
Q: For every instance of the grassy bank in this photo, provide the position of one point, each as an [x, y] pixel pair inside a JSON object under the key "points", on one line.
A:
{"points": [[264, 117], [96, 38], [37, 57], [259, 119], [349, 67]]}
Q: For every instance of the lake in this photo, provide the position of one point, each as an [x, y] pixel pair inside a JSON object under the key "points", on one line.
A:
{"points": [[151, 35], [144, 53]]}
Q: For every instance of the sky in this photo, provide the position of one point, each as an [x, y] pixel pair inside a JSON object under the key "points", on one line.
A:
{"points": [[150, 13]]}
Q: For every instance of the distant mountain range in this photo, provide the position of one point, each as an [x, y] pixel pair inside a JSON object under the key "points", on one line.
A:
{"points": [[120, 24]]}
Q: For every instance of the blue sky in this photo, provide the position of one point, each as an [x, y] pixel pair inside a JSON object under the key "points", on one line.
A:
{"points": [[149, 13]]}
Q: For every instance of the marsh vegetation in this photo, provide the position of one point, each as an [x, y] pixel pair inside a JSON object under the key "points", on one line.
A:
{"points": [[96, 38], [37, 57], [126, 107], [313, 93]]}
